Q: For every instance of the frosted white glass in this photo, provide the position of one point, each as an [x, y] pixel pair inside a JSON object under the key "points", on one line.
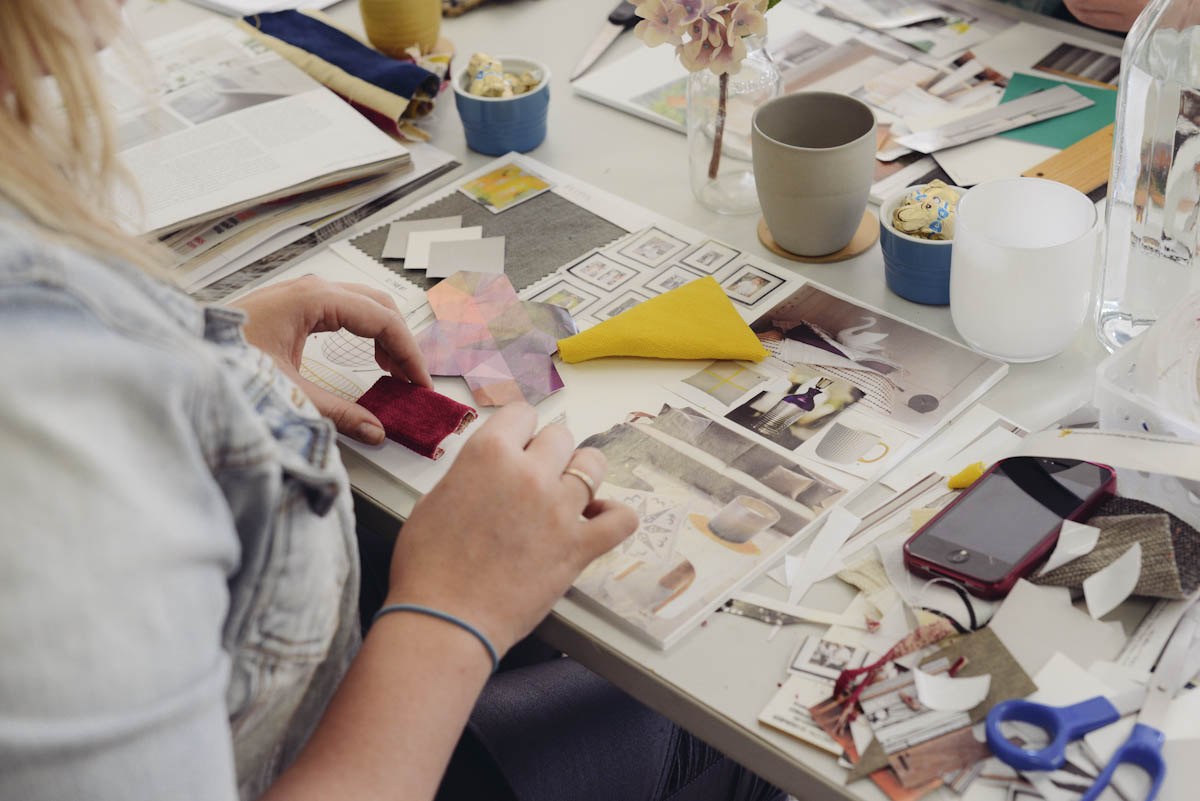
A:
{"points": [[1022, 267]]}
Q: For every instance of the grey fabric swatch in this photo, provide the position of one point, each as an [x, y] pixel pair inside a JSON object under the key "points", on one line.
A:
{"points": [[541, 235]]}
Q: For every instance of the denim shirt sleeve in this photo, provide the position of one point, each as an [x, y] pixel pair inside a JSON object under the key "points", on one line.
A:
{"points": [[177, 573]]}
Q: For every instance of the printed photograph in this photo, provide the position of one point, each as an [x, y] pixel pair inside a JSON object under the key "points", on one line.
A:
{"points": [[793, 411], [623, 303], [653, 247], [856, 443], [601, 271], [566, 295], [826, 659], [750, 284], [668, 101], [237, 89], [710, 257], [1082, 64], [504, 187], [725, 381], [679, 467], [671, 278], [910, 377]]}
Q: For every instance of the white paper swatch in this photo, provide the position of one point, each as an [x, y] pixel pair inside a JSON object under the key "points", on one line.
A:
{"points": [[823, 549], [474, 255], [396, 246], [944, 693], [1074, 540], [419, 242], [1034, 622], [1107, 588]]}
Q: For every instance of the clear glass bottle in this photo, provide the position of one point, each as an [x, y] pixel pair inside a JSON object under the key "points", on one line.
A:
{"points": [[724, 183], [1150, 254]]}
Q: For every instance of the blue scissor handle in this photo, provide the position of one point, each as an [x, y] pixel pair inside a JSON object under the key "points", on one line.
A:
{"points": [[1061, 723], [1143, 749]]}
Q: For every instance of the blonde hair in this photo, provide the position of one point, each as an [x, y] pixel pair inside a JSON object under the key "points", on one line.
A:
{"points": [[59, 163]]}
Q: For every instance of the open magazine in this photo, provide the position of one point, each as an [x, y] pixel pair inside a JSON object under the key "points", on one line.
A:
{"points": [[222, 123]]}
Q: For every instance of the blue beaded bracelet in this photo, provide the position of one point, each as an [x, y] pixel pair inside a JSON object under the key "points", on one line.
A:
{"points": [[425, 610]]}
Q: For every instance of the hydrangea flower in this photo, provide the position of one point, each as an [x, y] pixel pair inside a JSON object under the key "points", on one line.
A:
{"points": [[662, 22], [714, 30]]}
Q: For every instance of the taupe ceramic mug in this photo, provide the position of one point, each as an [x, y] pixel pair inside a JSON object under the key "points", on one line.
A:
{"points": [[814, 158]]}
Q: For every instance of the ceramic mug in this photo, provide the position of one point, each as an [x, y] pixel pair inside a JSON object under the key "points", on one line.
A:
{"points": [[742, 518], [814, 160], [843, 445]]}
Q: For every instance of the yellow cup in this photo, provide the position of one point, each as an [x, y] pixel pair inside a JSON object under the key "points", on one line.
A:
{"points": [[395, 25]]}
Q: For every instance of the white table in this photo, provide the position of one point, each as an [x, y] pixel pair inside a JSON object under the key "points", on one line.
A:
{"points": [[718, 679]]}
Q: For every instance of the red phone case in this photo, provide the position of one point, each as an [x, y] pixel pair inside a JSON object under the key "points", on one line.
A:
{"points": [[1001, 587]]}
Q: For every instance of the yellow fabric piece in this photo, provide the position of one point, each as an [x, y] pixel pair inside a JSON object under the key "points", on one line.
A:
{"points": [[967, 476], [694, 321]]}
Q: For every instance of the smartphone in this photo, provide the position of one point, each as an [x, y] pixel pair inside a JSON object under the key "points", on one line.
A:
{"points": [[1007, 522]]}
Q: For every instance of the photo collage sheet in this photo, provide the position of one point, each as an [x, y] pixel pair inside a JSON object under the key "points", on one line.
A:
{"points": [[745, 455]]}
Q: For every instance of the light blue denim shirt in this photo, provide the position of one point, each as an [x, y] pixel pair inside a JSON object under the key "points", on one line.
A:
{"points": [[178, 573]]}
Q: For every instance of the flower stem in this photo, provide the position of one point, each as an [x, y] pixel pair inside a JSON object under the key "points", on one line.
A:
{"points": [[719, 134]]}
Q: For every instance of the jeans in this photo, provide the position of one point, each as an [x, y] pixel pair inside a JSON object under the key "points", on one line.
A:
{"points": [[545, 728]]}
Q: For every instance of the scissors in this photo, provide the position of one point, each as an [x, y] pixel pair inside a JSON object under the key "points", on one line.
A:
{"points": [[1142, 749]]}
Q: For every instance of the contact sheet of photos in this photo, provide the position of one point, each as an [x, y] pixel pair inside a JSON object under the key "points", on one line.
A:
{"points": [[607, 281]]}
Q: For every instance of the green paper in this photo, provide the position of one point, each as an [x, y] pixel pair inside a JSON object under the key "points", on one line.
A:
{"points": [[1064, 131]]}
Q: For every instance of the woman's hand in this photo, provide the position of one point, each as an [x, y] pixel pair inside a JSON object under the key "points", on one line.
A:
{"points": [[501, 537], [283, 315], [1111, 15]]}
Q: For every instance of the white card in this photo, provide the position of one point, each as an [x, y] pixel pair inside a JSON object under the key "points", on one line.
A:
{"points": [[474, 255], [1074, 540], [1107, 588], [396, 246], [419, 242]]}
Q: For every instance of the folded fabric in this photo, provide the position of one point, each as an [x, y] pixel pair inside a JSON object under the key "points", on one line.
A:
{"points": [[416, 417], [694, 321], [384, 89], [452, 8], [1170, 550]]}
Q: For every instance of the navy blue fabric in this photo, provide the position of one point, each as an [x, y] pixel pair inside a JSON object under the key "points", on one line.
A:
{"points": [[344, 51]]}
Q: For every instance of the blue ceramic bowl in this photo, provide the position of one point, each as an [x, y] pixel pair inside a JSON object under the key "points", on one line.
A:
{"points": [[497, 125], [916, 269]]}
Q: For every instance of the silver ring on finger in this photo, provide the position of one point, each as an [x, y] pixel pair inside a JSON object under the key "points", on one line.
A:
{"points": [[585, 478]]}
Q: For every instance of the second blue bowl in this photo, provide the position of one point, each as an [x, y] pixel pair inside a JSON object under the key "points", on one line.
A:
{"points": [[496, 125]]}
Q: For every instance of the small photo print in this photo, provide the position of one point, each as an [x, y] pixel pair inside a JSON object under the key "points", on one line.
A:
{"points": [[621, 304], [710, 257], [566, 295], [749, 284], [1082, 64], [653, 247], [826, 659], [671, 278], [725, 381], [601, 271], [792, 412], [504, 187]]}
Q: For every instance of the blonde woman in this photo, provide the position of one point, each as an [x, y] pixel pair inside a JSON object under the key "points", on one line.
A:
{"points": [[178, 566]]}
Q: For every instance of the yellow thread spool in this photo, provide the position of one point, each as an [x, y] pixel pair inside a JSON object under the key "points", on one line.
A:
{"points": [[395, 25]]}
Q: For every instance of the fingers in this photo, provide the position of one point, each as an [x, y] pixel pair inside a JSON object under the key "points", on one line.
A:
{"points": [[609, 522], [351, 419], [590, 463], [361, 312], [512, 424], [552, 447]]}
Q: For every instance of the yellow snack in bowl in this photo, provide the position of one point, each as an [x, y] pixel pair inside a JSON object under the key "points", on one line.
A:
{"points": [[927, 211]]}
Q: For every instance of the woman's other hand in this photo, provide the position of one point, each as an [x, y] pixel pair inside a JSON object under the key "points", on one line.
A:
{"points": [[504, 534], [283, 315], [1111, 15]]}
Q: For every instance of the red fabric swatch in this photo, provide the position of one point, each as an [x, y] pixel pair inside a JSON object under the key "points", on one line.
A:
{"points": [[417, 418]]}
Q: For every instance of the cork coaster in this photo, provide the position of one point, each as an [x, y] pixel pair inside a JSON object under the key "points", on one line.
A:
{"points": [[864, 238]]}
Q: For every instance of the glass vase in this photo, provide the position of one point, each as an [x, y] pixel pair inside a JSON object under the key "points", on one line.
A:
{"points": [[718, 129]]}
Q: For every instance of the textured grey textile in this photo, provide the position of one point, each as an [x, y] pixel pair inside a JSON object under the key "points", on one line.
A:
{"points": [[541, 235]]}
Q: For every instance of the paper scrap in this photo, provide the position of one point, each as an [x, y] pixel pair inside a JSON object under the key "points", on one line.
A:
{"points": [[944, 693], [473, 255], [989, 449], [788, 712], [1074, 540], [1151, 635], [1034, 622], [1105, 589], [920, 517], [823, 549], [419, 242], [968, 427], [396, 246]]}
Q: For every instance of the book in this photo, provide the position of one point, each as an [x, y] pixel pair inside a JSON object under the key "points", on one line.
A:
{"points": [[223, 124]]}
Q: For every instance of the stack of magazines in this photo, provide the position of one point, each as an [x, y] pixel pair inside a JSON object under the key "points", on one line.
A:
{"points": [[236, 152]]}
